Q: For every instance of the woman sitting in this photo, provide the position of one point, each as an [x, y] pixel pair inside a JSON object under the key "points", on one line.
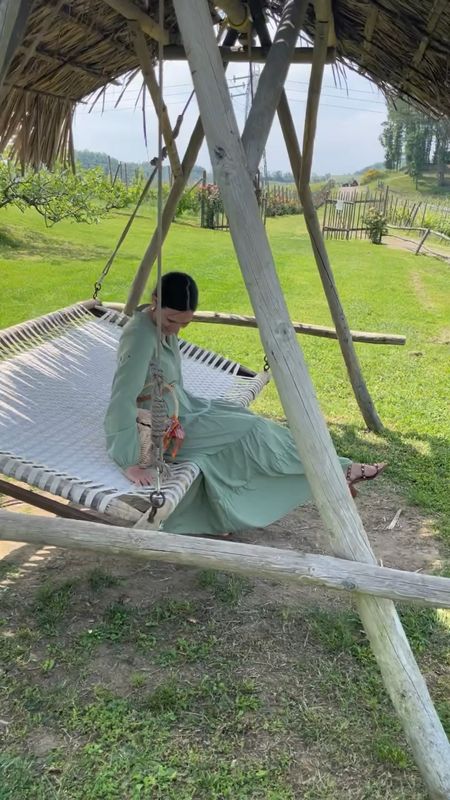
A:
{"points": [[251, 473]]}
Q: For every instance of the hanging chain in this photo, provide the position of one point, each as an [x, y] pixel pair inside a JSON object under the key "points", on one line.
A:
{"points": [[158, 497]]}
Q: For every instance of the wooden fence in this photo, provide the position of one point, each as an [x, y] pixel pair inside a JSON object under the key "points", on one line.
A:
{"points": [[346, 209]]}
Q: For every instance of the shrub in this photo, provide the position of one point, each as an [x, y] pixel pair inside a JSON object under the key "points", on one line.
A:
{"points": [[212, 204], [375, 222], [371, 175]]}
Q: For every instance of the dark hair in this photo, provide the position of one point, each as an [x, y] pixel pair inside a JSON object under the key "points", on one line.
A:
{"points": [[178, 291]]}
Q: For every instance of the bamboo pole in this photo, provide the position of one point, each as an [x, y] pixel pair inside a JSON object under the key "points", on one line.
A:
{"points": [[131, 12], [271, 82], [299, 327], [13, 20], [266, 562], [151, 82], [348, 539]]}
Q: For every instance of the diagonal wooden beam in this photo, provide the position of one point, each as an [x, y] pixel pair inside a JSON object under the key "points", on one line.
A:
{"points": [[13, 19], [347, 537], [323, 14], [344, 335], [271, 82], [176, 191], [151, 82], [132, 13]]}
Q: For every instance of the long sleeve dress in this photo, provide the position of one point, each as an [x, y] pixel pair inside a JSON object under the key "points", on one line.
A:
{"points": [[251, 473]]}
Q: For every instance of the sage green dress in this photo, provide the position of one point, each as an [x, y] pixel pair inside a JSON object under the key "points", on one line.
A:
{"points": [[251, 473]]}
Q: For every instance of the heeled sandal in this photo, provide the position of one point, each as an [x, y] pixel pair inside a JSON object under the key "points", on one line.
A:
{"points": [[379, 468]]}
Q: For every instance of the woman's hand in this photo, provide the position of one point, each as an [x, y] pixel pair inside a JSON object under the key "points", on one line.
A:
{"points": [[141, 476]]}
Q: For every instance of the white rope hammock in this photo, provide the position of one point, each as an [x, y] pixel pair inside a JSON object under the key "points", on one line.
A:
{"points": [[55, 379]]}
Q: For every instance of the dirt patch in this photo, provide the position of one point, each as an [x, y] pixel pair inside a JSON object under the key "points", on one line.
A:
{"points": [[421, 292]]}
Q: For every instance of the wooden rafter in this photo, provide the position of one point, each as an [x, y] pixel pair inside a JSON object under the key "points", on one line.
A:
{"points": [[433, 20], [134, 14], [33, 90], [92, 27], [32, 46], [369, 29], [151, 82], [300, 55], [60, 61]]}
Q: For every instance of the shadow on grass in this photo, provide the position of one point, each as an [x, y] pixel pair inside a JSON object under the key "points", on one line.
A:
{"points": [[15, 244], [418, 463]]}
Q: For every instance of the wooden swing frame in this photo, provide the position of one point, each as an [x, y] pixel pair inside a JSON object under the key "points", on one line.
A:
{"points": [[234, 160]]}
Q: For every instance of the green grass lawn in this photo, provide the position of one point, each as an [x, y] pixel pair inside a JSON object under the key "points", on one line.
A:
{"points": [[129, 682], [381, 289]]}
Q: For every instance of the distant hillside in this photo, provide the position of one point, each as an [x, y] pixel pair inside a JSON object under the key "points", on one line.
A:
{"points": [[89, 159]]}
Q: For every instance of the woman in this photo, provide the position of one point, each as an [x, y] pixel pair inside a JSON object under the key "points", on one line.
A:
{"points": [[251, 473]]}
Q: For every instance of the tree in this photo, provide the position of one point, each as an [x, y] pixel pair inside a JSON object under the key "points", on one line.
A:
{"points": [[412, 137], [442, 153], [83, 197]]}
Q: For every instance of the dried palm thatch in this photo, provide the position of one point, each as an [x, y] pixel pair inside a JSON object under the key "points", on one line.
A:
{"points": [[74, 48]]}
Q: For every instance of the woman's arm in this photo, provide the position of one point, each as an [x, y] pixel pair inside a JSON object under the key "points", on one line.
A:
{"points": [[136, 350]]}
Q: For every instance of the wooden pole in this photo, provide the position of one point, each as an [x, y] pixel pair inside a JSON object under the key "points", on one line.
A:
{"points": [[149, 257], [187, 165], [299, 327], [131, 12], [314, 88], [151, 82], [423, 240], [348, 539], [361, 392], [358, 383], [266, 562], [13, 21], [271, 82]]}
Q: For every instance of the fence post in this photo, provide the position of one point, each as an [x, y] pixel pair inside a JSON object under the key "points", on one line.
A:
{"points": [[424, 237], [202, 204]]}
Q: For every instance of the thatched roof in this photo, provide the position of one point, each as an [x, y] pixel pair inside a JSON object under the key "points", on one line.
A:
{"points": [[73, 48]]}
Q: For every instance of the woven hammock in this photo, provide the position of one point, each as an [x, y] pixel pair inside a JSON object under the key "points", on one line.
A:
{"points": [[55, 379]]}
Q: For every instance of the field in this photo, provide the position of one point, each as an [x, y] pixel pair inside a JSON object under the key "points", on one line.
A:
{"points": [[126, 681]]}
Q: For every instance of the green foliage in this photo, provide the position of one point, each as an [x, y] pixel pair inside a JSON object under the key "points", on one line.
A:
{"points": [[58, 195], [375, 222], [189, 202], [371, 175], [413, 138]]}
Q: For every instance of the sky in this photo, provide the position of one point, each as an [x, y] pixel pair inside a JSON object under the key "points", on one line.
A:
{"points": [[351, 113]]}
